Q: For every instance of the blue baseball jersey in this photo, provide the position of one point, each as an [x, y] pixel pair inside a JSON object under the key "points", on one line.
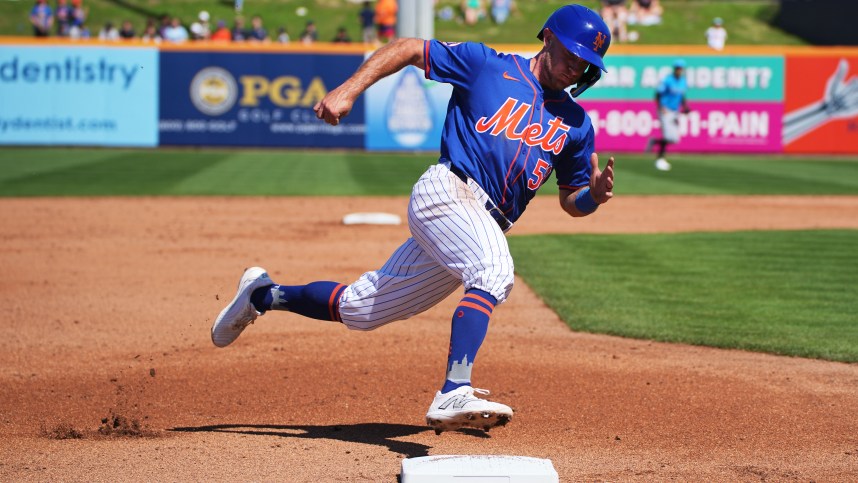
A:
{"points": [[503, 130], [671, 91]]}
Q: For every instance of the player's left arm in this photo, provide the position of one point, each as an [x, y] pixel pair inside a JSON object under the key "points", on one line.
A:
{"points": [[585, 199]]}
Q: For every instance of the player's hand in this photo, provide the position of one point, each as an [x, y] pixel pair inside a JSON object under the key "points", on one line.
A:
{"points": [[601, 182], [334, 106]]}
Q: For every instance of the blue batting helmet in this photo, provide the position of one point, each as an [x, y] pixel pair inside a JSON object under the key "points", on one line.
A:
{"points": [[582, 31]]}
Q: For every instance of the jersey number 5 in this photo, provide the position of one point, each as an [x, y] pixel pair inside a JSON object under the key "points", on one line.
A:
{"points": [[541, 171]]}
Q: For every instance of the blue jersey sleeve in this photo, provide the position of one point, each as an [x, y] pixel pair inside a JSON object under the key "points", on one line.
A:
{"points": [[456, 63], [662, 86], [573, 168]]}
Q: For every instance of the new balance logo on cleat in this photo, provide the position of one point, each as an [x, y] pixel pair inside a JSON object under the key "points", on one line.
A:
{"points": [[457, 402]]}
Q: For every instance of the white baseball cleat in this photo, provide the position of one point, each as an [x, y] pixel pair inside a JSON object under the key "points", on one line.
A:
{"points": [[661, 164], [460, 408], [240, 312]]}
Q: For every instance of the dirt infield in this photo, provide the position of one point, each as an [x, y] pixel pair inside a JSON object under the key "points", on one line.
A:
{"points": [[108, 373]]}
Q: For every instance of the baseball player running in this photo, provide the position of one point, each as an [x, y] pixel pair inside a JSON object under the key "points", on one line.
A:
{"points": [[509, 125], [670, 102]]}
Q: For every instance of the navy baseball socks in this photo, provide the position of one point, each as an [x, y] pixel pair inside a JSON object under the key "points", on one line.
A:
{"points": [[455, 405], [469, 327], [317, 300], [257, 294]]}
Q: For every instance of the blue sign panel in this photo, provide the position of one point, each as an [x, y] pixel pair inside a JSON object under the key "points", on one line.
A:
{"points": [[78, 95], [255, 99], [405, 111]]}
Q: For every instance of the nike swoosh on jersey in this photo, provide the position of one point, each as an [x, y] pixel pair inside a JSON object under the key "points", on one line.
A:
{"points": [[509, 77]]}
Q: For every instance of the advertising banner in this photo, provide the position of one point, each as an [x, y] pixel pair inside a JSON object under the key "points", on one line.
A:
{"points": [[78, 95], [821, 105], [710, 127], [736, 102], [406, 112], [710, 77], [254, 99]]}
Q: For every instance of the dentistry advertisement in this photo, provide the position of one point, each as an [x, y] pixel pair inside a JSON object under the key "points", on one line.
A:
{"points": [[65, 95]]}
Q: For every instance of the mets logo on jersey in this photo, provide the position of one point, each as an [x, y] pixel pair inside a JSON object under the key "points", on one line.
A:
{"points": [[599, 41], [508, 117]]}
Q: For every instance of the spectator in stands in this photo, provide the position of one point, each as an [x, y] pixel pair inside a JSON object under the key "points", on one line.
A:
{"points": [[385, 19], [670, 102], [446, 13], [310, 34], [367, 23], [108, 33], [615, 14], [166, 22], [150, 32], [342, 36], [221, 33], [200, 30], [283, 35], [257, 31], [716, 35], [473, 10], [78, 15], [63, 17], [126, 30], [645, 12], [239, 33], [42, 18], [79, 31], [176, 33], [500, 10]]}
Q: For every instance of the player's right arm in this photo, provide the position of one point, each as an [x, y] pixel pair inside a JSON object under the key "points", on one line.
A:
{"points": [[385, 61]]}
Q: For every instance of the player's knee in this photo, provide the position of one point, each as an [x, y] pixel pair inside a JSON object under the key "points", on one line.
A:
{"points": [[366, 315], [499, 287], [361, 325], [505, 289], [358, 316]]}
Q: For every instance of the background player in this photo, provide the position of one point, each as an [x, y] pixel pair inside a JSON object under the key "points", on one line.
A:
{"points": [[509, 125], [670, 101]]}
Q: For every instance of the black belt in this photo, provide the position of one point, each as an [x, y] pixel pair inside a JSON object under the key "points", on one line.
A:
{"points": [[493, 210]]}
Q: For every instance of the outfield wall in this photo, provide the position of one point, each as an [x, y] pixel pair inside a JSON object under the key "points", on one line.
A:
{"points": [[765, 100]]}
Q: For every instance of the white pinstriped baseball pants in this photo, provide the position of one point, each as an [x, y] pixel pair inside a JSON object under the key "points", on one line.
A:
{"points": [[454, 241]]}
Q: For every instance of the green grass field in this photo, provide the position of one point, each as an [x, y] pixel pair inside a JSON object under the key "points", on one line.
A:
{"points": [[785, 292], [791, 293], [88, 172], [748, 21]]}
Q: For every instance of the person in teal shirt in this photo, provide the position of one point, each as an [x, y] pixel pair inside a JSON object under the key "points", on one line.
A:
{"points": [[670, 102]]}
